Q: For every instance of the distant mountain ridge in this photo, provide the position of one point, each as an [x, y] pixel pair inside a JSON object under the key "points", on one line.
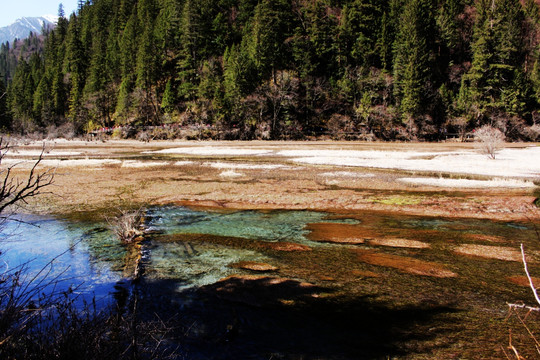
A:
{"points": [[22, 27]]}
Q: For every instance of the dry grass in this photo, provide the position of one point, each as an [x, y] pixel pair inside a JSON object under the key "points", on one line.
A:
{"points": [[287, 246], [522, 280]]}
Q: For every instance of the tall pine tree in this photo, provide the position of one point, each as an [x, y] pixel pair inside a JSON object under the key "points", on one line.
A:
{"points": [[412, 65], [495, 81], [5, 118]]}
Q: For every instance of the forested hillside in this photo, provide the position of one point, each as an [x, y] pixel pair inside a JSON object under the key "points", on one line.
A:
{"points": [[276, 69]]}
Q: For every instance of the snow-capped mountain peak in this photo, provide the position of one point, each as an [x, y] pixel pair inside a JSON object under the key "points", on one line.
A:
{"points": [[22, 27], [53, 19]]}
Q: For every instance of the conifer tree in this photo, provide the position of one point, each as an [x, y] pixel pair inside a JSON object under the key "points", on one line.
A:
{"points": [[54, 62], [5, 119], [128, 58], [188, 57], [146, 65], [387, 35], [360, 29], [239, 79], [169, 99], [239, 72], [167, 34], [412, 58], [77, 66], [21, 93], [210, 83], [269, 29], [495, 81], [449, 25]]}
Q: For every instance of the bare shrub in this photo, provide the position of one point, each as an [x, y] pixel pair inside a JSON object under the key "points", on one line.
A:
{"points": [[457, 126], [263, 131], [490, 140], [128, 225], [341, 127], [165, 133], [144, 136], [66, 131], [532, 133]]}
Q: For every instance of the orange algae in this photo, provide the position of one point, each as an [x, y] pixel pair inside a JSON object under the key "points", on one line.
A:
{"points": [[404, 243], [489, 252], [404, 264], [336, 233], [254, 266]]}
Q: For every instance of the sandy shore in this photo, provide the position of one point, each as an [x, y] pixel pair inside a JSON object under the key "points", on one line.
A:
{"points": [[450, 180]]}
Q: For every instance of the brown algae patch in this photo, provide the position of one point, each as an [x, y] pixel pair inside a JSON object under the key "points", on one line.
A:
{"points": [[336, 233], [402, 243], [486, 238], [263, 280], [254, 266], [287, 246], [489, 252], [261, 290], [404, 264], [522, 280], [365, 274]]}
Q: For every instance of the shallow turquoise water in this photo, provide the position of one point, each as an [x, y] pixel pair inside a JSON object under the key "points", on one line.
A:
{"points": [[88, 257], [264, 226], [205, 263], [271, 226]]}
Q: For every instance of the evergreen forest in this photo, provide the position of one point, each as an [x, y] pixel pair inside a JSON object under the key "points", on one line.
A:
{"points": [[277, 69]]}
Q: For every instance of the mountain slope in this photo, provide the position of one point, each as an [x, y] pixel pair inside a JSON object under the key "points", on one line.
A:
{"points": [[21, 28]]}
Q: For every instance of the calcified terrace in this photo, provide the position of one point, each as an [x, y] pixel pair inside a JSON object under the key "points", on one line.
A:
{"points": [[445, 179]]}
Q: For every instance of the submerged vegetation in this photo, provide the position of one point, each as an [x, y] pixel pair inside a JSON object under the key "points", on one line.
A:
{"points": [[250, 69]]}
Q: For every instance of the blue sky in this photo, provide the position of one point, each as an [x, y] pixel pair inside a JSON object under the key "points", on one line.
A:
{"points": [[11, 10]]}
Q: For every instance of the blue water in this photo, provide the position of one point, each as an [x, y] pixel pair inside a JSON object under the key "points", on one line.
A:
{"points": [[61, 256], [87, 258]]}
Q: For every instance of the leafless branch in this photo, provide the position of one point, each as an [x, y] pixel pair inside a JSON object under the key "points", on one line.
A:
{"points": [[15, 191], [490, 139], [535, 293], [522, 306]]}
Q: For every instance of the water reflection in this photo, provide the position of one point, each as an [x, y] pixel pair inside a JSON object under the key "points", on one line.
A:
{"points": [[66, 252]]}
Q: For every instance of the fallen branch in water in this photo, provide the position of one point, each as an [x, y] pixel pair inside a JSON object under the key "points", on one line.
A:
{"points": [[128, 225]]}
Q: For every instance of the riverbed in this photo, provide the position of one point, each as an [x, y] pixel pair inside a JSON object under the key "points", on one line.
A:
{"points": [[303, 250]]}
